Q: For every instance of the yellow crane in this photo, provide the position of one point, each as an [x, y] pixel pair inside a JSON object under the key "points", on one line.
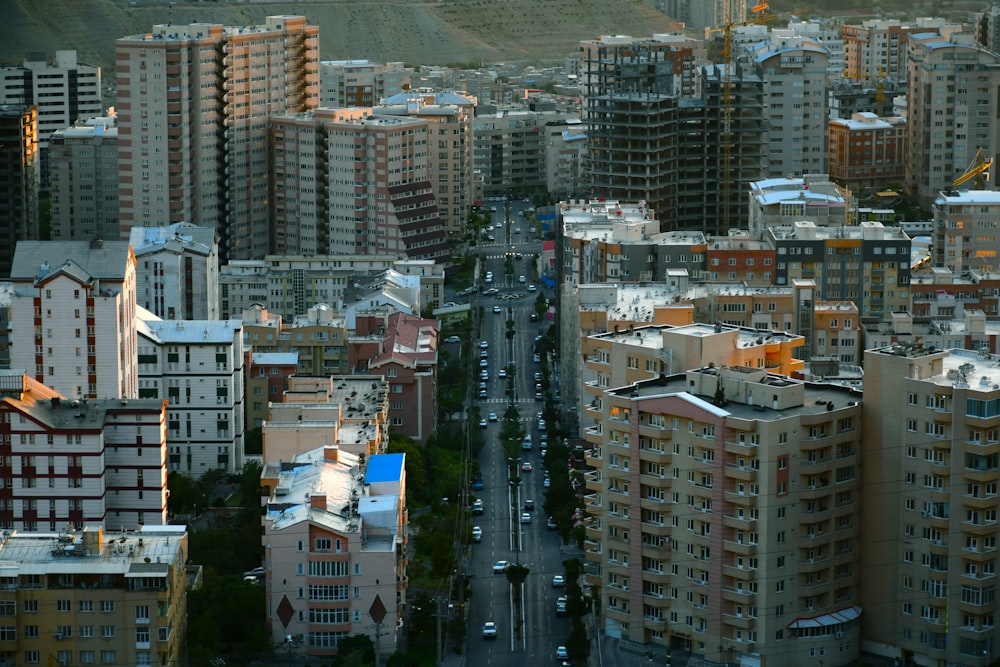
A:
{"points": [[758, 11], [978, 172]]}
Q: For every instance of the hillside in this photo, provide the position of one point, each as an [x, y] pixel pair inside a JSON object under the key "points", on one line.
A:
{"points": [[415, 32]]}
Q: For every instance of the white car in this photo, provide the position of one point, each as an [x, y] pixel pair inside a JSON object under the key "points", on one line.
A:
{"points": [[489, 630], [522, 279], [532, 288], [562, 653], [558, 581], [496, 309], [493, 417], [500, 566], [477, 534], [525, 517]]}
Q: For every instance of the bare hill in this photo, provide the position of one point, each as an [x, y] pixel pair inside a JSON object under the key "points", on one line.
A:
{"points": [[415, 32]]}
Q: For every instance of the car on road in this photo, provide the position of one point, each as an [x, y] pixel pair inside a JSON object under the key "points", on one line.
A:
{"points": [[484, 375], [525, 517], [484, 345], [561, 605], [453, 339], [537, 358], [483, 393], [477, 534], [562, 653], [526, 466], [558, 581], [539, 396], [529, 505], [490, 237], [256, 573], [477, 506], [482, 423], [532, 288], [493, 417], [501, 374], [489, 630], [547, 482], [522, 279], [533, 317], [541, 424], [491, 291], [493, 209], [551, 524], [518, 255], [483, 363], [497, 309], [484, 354], [501, 566], [538, 378]]}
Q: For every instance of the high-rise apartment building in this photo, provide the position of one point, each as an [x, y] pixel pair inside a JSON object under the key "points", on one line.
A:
{"points": [[83, 180], [966, 224], [724, 515], [360, 83], [929, 475], [177, 271], [193, 108], [196, 366], [73, 317], [64, 91], [19, 180], [877, 48], [93, 596], [349, 182], [450, 143], [951, 108], [794, 72], [79, 461], [509, 149]]}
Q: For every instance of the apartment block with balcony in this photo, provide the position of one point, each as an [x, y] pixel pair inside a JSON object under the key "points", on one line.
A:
{"points": [[868, 264], [74, 317], [736, 257], [836, 331], [930, 469], [79, 461], [197, 368], [360, 83], [87, 596], [266, 381], [19, 174], [213, 132], [335, 535], [177, 271], [782, 201], [941, 293], [509, 150], [723, 516], [966, 224]]}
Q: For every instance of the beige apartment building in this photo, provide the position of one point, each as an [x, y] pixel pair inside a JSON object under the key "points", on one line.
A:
{"points": [[723, 516], [930, 472], [335, 534], [83, 179], [193, 109], [88, 597]]}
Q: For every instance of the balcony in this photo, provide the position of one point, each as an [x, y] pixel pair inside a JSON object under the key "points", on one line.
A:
{"points": [[733, 594], [744, 548], [656, 529], [980, 502], [741, 448], [737, 572], [739, 621], [744, 473], [656, 576], [738, 522], [744, 499], [655, 455]]}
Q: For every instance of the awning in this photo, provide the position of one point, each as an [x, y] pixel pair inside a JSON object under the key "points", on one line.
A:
{"points": [[833, 618]]}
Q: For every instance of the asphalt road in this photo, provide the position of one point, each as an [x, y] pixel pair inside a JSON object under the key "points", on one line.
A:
{"points": [[505, 537]]}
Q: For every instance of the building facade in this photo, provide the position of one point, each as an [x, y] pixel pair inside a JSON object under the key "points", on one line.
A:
{"points": [[360, 83], [965, 230], [867, 151], [19, 180], [187, 95], [73, 317], [336, 559], [267, 381], [80, 461], [197, 368], [92, 596], [83, 180], [723, 516], [177, 271]]}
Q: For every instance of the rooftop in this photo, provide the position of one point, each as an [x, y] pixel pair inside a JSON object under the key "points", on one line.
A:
{"points": [[204, 332], [178, 237], [35, 261]]}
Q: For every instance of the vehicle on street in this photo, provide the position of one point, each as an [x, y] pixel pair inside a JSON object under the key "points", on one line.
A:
{"points": [[526, 466], [518, 255], [477, 483], [492, 417], [537, 358], [496, 309], [490, 237], [483, 363], [522, 279], [539, 396], [561, 605], [482, 423], [547, 482], [256, 572], [484, 375], [491, 291], [525, 517], [532, 288], [477, 506], [533, 317], [501, 566], [453, 339], [529, 505], [558, 581], [551, 524], [493, 209], [483, 393], [477, 534], [489, 630], [501, 374], [484, 345], [484, 354], [562, 653], [541, 424]]}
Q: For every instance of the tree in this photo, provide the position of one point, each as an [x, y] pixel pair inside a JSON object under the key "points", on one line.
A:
{"points": [[355, 651], [578, 643]]}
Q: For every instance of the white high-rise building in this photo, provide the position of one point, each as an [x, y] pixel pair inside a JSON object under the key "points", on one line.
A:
{"points": [[193, 107], [73, 317], [197, 367]]}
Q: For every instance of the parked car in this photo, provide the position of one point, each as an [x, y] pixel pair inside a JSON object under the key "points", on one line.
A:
{"points": [[477, 534], [551, 524], [477, 506], [561, 605], [453, 339]]}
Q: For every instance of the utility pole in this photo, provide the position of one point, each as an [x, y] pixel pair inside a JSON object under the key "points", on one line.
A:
{"points": [[440, 645]]}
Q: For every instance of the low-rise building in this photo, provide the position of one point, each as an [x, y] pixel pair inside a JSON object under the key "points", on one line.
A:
{"points": [[335, 534], [836, 331], [197, 367], [80, 461], [96, 597], [783, 201], [867, 151]]}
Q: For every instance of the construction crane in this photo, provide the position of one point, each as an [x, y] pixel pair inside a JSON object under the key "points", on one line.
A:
{"points": [[758, 12], [978, 172]]}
